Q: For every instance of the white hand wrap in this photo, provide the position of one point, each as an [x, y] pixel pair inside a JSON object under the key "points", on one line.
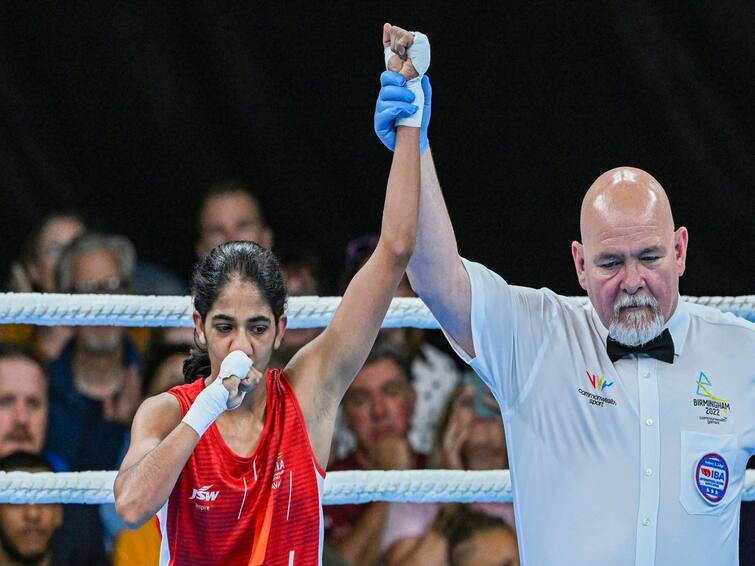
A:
{"points": [[419, 54], [213, 400], [236, 363]]}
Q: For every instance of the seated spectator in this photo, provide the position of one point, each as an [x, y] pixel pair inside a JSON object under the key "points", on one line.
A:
{"points": [[34, 272], [95, 384], [163, 368], [180, 336], [231, 212], [27, 531], [23, 425], [302, 271], [377, 408], [24, 405], [470, 437], [153, 279], [477, 539], [434, 372]]}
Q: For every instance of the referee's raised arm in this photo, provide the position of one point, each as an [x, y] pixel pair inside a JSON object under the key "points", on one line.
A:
{"points": [[436, 271]]}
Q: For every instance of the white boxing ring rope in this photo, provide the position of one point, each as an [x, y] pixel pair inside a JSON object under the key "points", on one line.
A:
{"points": [[418, 486], [303, 312], [415, 486]]}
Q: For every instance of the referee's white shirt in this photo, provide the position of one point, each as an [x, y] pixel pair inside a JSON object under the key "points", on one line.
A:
{"points": [[604, 455]]}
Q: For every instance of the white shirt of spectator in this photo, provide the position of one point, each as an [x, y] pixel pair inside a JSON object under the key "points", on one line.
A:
{"points": [[604, 456]]}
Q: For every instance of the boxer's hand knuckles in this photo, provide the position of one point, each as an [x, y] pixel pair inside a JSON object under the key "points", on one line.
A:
{"points": [[408, 71], [401, 37], [395, 64], [231, 383]]}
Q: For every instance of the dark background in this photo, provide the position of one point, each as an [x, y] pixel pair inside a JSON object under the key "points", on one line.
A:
{"points": [[129, 111]]}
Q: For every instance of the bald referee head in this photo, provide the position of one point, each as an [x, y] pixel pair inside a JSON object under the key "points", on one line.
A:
{"points": [[630, 258]]}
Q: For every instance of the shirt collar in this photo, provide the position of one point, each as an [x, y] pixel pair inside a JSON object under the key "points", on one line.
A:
{"points": [[677, 325]]}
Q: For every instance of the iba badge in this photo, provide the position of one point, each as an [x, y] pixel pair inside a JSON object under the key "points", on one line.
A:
{"points": [[712, 478]]}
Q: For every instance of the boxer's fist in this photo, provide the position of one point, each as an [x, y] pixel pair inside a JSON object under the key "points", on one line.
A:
{"points": [[399, 40]]}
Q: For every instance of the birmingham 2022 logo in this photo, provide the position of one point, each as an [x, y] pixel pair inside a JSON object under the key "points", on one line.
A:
{"points": [[599, 385], [713, 410]]}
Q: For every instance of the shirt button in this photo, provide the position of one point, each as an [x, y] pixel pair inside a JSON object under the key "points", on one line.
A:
{"points": [[646, 374], [648, 472], [649, 422], [645, 522]]}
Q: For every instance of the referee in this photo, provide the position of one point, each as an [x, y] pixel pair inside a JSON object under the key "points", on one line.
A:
{"points": [[629, 420]]}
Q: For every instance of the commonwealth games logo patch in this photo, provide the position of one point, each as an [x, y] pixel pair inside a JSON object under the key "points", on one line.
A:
{"points": [[598, 396]]}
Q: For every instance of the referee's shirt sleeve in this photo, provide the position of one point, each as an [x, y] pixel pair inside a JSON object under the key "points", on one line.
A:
{"points": [[510, 328]]}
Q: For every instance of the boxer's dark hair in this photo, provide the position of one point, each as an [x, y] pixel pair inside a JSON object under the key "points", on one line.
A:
{"points": [[247, 261]]}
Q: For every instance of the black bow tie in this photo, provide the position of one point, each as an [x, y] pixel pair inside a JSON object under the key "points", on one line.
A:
{"points": [[661, 348]]}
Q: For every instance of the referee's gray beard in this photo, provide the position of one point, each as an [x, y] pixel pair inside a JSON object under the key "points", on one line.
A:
{"points": [[636, 328]]}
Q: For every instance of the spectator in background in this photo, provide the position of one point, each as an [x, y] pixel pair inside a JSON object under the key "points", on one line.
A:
{"points": [[434, 373], [34, 272], [24, 405], [377, 408], [177, 336], [302, 271], [477, 539], [231, 212], [95, 385], [23, 426], [163, 368], [35, 269], [470, 437], [27, 531]]}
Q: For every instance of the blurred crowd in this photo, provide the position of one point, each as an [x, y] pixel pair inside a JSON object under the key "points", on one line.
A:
{"points": [[68, 395]]}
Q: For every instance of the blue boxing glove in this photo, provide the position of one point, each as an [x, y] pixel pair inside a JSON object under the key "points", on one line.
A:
{"points": [[395, 101]]}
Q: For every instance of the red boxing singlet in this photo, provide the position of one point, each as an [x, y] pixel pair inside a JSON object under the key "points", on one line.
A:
{"points": [[265, 509]]}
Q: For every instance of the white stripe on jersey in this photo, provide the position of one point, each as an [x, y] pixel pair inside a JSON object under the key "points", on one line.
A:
{"points": [[162, 517]]}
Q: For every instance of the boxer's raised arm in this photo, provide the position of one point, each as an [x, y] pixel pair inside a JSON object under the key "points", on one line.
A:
{"points": [[435, 271]]}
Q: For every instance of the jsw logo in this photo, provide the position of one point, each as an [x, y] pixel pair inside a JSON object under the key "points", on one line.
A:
{"points": [[202, 494]]}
